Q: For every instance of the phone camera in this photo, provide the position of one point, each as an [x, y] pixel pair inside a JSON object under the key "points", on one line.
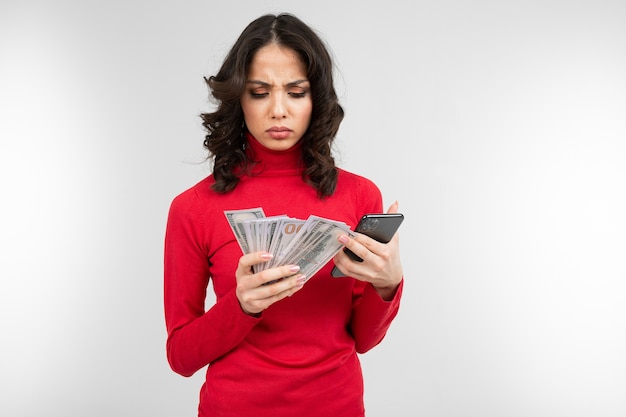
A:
{"points": [[369, 225]]}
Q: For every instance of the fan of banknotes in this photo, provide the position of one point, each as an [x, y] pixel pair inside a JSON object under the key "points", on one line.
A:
{"points": [[309, 243]]}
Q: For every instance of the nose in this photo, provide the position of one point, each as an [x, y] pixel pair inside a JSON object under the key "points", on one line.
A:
{"points": [[278, 109]]}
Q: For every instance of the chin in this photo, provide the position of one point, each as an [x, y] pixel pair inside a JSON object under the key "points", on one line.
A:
{"points": [[279, 145]]}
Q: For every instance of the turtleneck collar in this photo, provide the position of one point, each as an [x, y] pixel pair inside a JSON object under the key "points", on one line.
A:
{"points": [[274, 163]]}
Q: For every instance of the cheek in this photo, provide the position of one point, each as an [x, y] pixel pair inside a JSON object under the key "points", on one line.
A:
{"points": [[250, 111], [245, 106], [306, 111]]}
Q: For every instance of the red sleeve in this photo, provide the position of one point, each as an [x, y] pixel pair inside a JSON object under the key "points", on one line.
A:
{"points": [[372, 316], [195, 337]]}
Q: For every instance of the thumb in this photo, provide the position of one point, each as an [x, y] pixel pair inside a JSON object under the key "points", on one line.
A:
{"points": [[393, 208]]}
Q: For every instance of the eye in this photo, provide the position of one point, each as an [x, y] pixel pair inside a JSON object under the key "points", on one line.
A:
{"points": [[257, 95], [300, 94]]}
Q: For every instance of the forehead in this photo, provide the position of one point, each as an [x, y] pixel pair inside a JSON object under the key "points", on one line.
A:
{"points": [[276, 62]]}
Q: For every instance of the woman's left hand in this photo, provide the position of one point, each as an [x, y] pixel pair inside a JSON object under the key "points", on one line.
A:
{"points": [[381, 264]]}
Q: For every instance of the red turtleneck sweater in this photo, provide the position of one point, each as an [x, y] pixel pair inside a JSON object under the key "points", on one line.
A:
{"points": [[300, 357]]}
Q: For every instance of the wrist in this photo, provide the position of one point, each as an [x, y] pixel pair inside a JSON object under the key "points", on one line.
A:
{"points": [[387, 292]]}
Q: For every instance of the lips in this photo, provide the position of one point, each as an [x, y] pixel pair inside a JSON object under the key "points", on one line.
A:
{"points": [[278, 132]]}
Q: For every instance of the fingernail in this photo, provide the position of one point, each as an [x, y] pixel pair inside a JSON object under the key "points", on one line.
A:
{"points": [[343, 239], [267, 256], [294, 268], [301, 279]]}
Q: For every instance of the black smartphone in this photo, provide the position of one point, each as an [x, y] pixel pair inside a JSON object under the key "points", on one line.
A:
{"points": [[380, 226]]}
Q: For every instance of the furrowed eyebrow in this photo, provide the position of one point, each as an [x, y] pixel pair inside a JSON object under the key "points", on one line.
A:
{"points": [[297, 83], [258, 82], [266, 84]]}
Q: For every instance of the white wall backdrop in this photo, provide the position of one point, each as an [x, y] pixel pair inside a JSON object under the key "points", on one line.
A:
{"points": [[500, 126]]}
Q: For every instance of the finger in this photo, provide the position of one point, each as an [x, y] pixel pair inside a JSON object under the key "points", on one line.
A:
{"points": [[361, 245], [269, 276], [393, 208], [344, 263], [267, 295], [280, 289], [258, 299], [350, 267], [246, 261]]}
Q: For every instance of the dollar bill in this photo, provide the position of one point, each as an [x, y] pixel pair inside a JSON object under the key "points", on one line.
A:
{"points": [[236, 219], [309, 243], [287, 230], [261, 234], [316, 244]]}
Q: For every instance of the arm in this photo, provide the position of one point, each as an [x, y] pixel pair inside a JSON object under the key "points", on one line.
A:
{"points": [[195, 337], [372, 315], [380, 283]]}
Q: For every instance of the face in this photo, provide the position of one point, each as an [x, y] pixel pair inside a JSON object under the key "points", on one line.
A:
{"points": [[277, 101]]}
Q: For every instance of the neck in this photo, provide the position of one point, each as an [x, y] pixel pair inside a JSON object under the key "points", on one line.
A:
{"points": [[270, 162]]}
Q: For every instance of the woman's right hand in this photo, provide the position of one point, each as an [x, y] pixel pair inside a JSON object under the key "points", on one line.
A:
{"points": [[256, 292]]}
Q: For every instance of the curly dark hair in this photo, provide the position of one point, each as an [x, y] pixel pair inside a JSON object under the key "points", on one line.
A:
{"points": [[225, 140]]}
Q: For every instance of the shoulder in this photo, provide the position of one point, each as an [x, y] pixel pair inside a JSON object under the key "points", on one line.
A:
{"points": [[356, 182], [194, 198], [358, 192]]}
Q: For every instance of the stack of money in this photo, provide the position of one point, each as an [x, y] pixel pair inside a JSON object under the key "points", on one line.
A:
{"points": [[309, 243]]}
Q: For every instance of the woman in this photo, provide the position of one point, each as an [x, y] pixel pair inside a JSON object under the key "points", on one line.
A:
{"points": [[283, 348]]}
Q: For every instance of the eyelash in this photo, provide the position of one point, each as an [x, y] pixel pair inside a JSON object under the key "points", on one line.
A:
{"points": [[262, 95]]}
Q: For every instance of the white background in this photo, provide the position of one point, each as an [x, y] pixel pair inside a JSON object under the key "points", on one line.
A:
{"points": [[500, 126]]}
